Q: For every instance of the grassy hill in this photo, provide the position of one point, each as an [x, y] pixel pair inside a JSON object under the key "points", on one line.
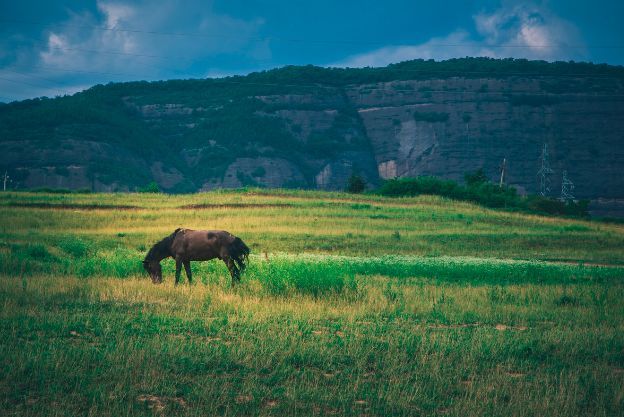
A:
{"points": [[352, 305]]}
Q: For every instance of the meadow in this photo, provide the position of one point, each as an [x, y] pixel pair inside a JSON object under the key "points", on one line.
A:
{"points": [[351, 305]]}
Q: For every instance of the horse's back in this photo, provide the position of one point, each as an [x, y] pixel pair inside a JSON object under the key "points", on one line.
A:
{"points": [[200, 245]]}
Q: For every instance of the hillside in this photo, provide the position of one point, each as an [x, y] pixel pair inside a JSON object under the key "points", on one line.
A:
{"points": [[311, 127], [289, 221]]}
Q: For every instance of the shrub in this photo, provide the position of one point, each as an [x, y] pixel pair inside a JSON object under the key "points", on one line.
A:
{"points": [[152, 187], [481, 191], [475, 178], [356, 184]]}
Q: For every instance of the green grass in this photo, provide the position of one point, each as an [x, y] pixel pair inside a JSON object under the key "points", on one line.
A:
{"points": [[351, 305]]}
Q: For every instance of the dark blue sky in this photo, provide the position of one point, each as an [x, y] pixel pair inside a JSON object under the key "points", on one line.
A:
{"points": [[57, 47]]}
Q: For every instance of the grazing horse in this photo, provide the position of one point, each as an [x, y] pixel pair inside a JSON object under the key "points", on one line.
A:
{"points": [[186, 245]]}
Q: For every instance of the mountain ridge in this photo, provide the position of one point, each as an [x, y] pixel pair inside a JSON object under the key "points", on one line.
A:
{"points": [[312, 127]]}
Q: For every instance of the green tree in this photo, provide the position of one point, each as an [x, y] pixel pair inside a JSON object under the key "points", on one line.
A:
{"points": [[152, 187], [475, 177], [356, 184]]}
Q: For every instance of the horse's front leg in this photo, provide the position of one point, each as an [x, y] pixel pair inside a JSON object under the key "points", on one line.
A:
{"points": [[178, 270], [231, 266], [187, 269]]}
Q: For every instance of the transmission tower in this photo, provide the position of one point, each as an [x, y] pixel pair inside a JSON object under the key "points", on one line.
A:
{"points": [[544, 172], [567, 187]]}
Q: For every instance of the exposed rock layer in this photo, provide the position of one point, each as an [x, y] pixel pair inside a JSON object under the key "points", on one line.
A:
{"points": [[444, 127]]}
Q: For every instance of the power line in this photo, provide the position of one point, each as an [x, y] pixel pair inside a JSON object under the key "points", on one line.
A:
{"points": [[192, 61], [32, 85], [36, 76], [123, 53], [301, 40]]}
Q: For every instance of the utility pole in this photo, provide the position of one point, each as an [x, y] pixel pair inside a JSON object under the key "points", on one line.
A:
{"points": [[544, 172], [567, 187], [502, 168], [5, 180]]}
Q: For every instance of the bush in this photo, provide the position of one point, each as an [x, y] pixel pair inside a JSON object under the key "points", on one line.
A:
{"points": [[481, 191], [356, 184], [152, 187], [475, 178]]}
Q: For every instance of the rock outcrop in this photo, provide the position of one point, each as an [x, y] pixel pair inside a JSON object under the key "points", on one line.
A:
{"points": [[199, 135]]}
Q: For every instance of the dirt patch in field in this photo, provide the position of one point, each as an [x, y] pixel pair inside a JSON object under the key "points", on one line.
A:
{"points": [[233, 206], [453, 326], [74, 206], [270, 403], [243, 399], [466, 383], [502, 327], [159, 404]]}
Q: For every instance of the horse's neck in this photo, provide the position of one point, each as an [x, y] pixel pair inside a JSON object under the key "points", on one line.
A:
{"points": [[160, 252]]}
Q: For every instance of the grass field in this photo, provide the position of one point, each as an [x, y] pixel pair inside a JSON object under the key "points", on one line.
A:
{"points": [[351, 305]]}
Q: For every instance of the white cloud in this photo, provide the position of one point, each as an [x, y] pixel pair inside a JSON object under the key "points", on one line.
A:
{"points": [[184, 35], [455, 44], [530, 31], [523, 30], [115, 12], [118, 37]]}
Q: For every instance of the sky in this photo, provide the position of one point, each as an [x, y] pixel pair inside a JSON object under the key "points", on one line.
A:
{"points": [[57, 47]]}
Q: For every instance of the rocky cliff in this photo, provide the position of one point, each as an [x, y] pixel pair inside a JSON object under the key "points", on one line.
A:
{"points": [[313, 128]]}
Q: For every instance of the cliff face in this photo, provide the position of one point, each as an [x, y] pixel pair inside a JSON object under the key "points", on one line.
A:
{"points": [[198, 135], [447, 128]]}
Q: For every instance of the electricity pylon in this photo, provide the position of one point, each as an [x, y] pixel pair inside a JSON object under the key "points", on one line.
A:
{"points": [[567, 187], [544, 172]]}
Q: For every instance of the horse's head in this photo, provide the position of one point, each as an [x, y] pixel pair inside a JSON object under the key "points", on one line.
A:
{"points": [[154, 269]]}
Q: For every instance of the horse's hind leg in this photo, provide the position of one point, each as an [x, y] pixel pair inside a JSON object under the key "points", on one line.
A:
{"points": [[187, 269], [178, 270]]}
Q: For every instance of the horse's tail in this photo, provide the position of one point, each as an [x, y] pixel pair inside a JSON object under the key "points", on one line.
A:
{"points": [[239, 253]]}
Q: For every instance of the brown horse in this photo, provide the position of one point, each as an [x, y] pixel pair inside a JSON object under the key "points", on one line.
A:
{"points": [[185, 245]]}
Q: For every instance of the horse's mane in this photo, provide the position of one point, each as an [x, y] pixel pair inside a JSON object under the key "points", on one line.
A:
{"points": [[161, 249]]}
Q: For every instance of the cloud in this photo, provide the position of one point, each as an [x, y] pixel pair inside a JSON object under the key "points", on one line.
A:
{"points": [[138, 39], [529, 31], [523, 30], [184, 35], [115, 13], [455, 44]]}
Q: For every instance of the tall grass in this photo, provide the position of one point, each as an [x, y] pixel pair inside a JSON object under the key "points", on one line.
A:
{"points": [[351, 305], [314, 274], [400, 347]]}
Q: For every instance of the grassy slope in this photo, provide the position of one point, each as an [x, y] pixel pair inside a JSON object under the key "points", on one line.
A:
{"points": [[388, 330]]}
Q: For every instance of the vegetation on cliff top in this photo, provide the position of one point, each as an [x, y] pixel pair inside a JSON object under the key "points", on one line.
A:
{"points": [[228, 116]]}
